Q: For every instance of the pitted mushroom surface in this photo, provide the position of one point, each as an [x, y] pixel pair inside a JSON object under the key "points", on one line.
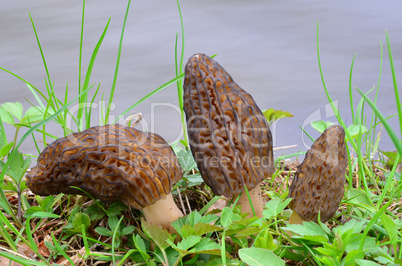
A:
{"points": [[229, 136], [318, 185], [111, 163]]}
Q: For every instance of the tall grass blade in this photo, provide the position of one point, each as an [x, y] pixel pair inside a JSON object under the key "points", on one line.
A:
{"points": [[396, 92], [385, 123], [149, 95], [116, 71], [83, 96]]}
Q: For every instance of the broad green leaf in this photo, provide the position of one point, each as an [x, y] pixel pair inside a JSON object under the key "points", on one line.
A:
{"points": [[202, 228], [47, 202], [228, 217], [354, 225], [265, 240], [355, 129], [259, 256], [10, 110], [354, 243], [321, 126], [352, 256], [309, 231], [6, 149], [79, 219], [139, 244], [156, 233], [103, 231], [116, 208], [186, 160], [390, 226], [275, 207], [366, 263], [207, 244], [188, 242], [359, 198], [112, 222], [273, 115], [34, 114], [127, 230]]}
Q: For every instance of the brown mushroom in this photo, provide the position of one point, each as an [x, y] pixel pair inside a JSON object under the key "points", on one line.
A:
{"points": [[229, 136], [318, 185], [112, 163]]}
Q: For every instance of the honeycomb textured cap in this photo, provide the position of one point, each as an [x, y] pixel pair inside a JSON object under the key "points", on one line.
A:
{"points": [[319, 181], [110, 163], [229, 136]]}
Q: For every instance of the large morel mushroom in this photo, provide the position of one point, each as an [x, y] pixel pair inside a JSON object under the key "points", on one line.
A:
{"points": [[112, 163], [229, 136], [318, 185]]}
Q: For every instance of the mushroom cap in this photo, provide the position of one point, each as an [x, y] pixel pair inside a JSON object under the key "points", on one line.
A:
{"points": [[319, 181], [111, 163], [229, 136]]}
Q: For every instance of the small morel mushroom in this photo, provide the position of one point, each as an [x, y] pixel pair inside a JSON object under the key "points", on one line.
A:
{"points": [[318, 185], [111, 163], [229, 136]]}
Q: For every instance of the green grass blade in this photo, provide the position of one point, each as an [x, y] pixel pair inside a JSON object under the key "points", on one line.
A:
{"points": [[83, 96], [149, 95], [398, 102], [21, 260], [81, 41], [40, 49], [114, 240], [385, 123], [60, 250], [350, 90], [179, 71], [116, 71]]}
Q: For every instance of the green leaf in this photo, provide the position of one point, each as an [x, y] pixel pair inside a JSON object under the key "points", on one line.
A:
{"points": [[265, 241], [116, 208], [360, 199], [309, 231], [275, 207], [156, 233], [33, 115], [41, 214], [112, 222], [127, 230], [321, 126], [354, 130], [390, 226], [186, 160], [259, 256], [188, 242], [47, 203], [228, 217], [12, 110], [366, 263], [273, 115], [352, 256], [103, 231], [81, 218], [354, 243], [6, 149]]}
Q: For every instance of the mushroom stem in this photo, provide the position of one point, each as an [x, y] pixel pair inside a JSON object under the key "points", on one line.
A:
{"points": [[255, 195], [295, 219], [163, 212]]}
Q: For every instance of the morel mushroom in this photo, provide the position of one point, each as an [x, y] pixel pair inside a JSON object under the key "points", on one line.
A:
{"points": [[318, 185], [229, 136], [111, 163]]}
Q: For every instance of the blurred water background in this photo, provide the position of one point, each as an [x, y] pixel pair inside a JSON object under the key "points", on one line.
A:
{"points": [[269, 48]]}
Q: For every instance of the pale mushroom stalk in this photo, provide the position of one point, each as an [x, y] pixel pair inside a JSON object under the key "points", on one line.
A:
{"points": [[163, 212], [318, 185], [255, 196], [225, 125]]}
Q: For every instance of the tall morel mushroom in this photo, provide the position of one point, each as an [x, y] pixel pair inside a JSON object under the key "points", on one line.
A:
{"points": [[318, 185], [229, 136], [111, 163]]}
